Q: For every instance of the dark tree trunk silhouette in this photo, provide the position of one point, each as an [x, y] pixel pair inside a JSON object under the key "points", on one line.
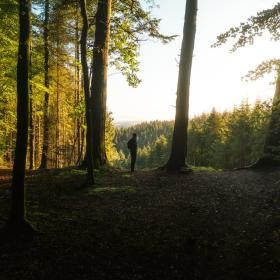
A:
{"points": [[57, 131], [99, 80], [89, 143], [79, 121], [17, 219], [31, 133], [271, 152], [31, 120], [179, 141], [45, 145], [83, 164]]}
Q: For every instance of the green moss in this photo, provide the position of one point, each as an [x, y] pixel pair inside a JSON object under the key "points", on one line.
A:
{"points": [[110, 190], [205, 169], [66, 173]]}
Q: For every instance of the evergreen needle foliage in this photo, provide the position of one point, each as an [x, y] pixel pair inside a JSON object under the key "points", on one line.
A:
{"points": [[221, 140]]}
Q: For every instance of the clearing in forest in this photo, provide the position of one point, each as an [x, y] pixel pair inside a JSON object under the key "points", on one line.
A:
{"points": [[146, 225]]}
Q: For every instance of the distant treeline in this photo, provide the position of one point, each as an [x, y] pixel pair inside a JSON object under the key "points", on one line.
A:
{"points": [[222, 140]]}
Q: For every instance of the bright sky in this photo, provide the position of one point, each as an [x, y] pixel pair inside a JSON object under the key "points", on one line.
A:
{"points": [[216, 74]]}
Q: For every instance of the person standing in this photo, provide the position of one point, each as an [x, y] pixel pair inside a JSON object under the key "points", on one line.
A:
{"points": [[132, 146]]}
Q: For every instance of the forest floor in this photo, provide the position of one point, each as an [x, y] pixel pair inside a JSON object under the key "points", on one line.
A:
{"points": [[147, 225]]}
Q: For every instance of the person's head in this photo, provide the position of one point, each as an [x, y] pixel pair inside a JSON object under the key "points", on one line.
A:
{"points": [[134, 135]]}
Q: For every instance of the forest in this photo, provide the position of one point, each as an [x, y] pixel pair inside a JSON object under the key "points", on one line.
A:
{"points": [[203, 200], [217, 140]]}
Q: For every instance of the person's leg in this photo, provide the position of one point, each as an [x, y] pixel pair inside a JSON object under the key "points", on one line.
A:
{"points": [[133, 160]]}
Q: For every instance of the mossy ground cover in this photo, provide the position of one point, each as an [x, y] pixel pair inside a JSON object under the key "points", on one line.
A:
{"points": [[146, 225]]}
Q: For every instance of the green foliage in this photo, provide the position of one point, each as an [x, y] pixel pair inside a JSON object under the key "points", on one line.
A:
{"points": [[8, 62], [268, 66], [159, 152], [131, 24], [111, 151], [110, 190], [216, 140], [245, 34], [205, 138], [204, 169], [153, 140], [68, 173]]}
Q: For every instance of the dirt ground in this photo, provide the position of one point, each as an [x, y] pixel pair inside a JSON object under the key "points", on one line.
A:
{"points": [[147, 225]]}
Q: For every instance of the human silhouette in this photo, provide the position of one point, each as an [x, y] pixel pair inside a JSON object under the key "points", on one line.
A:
{"points": [[132, 146]]}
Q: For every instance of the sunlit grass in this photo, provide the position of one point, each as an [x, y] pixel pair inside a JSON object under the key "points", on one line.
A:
{"points": [[110, 190], [66, 173], [205, 169]]}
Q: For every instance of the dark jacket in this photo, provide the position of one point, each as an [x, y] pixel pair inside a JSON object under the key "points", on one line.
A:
{"points": [[132, 145]]}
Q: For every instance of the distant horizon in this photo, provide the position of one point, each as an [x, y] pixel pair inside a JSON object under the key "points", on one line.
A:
{"points": [[138, 121]]}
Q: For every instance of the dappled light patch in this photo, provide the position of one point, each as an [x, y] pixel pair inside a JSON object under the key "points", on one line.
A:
{"points": [[205, 169], [126, 175], [67, 173], [111, 190]]}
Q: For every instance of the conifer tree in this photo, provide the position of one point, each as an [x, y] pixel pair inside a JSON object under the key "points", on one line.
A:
{"points": [[89, 119], [17, 220], [271, 151], [45, 143], [99, 80], [245, 34]]}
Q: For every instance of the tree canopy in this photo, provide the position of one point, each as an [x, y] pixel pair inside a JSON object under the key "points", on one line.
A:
{"points": [[266, 22]]}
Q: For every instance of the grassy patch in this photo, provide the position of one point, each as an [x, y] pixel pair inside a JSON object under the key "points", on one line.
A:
{"points": [[110, 190], [126, 175], [68, 173], [205, 169]]}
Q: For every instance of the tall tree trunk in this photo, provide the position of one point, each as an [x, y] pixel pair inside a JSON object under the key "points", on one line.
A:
{"points": [[37, 140], [31, 134], [75, 147], [77, 88], [31, 120], [82, 142], [179, 141], [99, 80], [57, 131], [80, 160], [89, 143], [17, 215], [271, 152], [83, 164], [57, 134], [45, 148]]}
